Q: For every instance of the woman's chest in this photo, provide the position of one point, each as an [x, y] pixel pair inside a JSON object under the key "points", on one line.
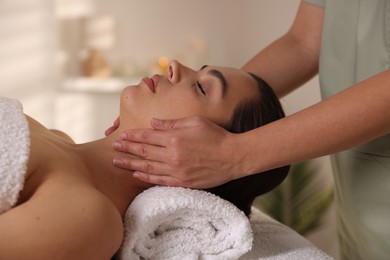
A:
{"points": [[50, 161]]}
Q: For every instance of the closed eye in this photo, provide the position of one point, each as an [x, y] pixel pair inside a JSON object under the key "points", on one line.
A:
{"points": [[200, 88]]}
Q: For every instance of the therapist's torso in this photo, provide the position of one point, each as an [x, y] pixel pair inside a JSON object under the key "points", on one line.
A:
{"points": [[356, 46]]}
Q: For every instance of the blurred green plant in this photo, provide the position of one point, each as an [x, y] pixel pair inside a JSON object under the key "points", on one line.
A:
{"points": [[300, 201]]}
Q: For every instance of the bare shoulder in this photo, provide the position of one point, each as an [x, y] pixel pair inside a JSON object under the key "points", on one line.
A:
{"points": [[36, 126], [62, 135], [62, 221]]}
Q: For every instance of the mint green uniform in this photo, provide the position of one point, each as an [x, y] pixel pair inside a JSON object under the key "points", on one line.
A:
{"points": [[356, 46]]}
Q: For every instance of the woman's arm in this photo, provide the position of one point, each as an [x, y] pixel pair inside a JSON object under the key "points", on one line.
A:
{"points": [[61, 223]]}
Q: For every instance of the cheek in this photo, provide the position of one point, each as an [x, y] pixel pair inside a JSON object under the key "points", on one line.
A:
{"points": [[138, 108], [173, 108]]}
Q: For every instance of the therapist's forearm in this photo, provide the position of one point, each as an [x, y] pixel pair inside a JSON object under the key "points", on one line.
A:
{"points": [[291, 60], [283, 65], [352, 117]]}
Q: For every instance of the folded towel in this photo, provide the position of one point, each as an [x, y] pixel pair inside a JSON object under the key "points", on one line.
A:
{"points": [[14, 151], [178, 223]]}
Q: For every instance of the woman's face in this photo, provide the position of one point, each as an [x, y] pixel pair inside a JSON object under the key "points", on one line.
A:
{"points": [[211, 92]]}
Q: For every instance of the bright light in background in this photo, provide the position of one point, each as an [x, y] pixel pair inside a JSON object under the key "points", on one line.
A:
{"points": [[163, 63]]}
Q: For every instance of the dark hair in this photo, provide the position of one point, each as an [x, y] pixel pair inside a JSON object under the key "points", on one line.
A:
{"points": [[261, 110]]}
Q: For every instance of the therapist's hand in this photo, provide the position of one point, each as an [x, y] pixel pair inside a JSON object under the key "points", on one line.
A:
{"points": [[112, 128], [191, 152]]}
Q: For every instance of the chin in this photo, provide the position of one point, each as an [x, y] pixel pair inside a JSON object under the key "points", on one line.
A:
{"points": [[130, 122]]}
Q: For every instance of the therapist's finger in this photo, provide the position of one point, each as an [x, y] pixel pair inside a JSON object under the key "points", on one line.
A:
{"points": [[140, 165], [149, 136], [143, 150], [112, 128], [159, 135], [175, 124]]}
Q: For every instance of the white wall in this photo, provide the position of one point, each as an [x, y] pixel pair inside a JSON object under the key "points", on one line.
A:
{"points": [[230, 31], [227, 32], [27, 55]]}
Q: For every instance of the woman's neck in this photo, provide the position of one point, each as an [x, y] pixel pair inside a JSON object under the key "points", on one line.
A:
{"points": [[117, 184]]}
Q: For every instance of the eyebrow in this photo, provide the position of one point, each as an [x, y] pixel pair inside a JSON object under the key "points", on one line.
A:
{"points": [[221, 78]]}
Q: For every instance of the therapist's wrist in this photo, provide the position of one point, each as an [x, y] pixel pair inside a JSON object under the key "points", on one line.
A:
{"points": [[247, 157], [236, 156]]}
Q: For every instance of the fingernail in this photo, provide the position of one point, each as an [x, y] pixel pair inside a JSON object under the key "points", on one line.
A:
{"points": [[123, 136], [117, 162], [156, 122], [117, 145]]}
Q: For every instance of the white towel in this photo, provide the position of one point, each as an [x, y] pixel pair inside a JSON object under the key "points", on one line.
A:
{"points": [[178, 223], [275, 241], [14, 151]]}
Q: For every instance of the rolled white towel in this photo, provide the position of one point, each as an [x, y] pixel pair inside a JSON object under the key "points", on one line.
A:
{"points": [[14, 151], [179, 223]]}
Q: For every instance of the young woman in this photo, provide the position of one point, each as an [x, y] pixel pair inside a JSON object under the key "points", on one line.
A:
{"points": [[73, 200]]}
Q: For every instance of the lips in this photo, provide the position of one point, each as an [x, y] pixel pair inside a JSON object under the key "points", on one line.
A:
{"points": [[152, 82]]}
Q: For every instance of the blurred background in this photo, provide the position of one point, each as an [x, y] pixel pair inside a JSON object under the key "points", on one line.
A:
{"points": [[67, 60]]}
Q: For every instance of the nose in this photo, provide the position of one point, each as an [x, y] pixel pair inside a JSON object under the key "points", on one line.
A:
{"points": [[177, 72], [173, 72]]}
